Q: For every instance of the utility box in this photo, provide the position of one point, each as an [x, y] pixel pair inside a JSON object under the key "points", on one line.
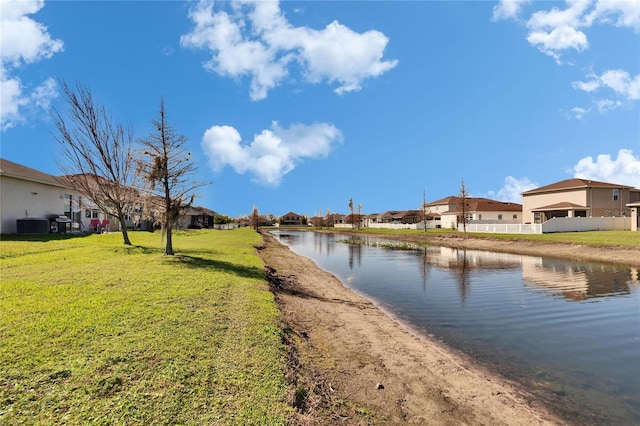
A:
{"points": [[32, 226]]}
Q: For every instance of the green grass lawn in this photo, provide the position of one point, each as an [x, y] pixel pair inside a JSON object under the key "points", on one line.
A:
{"points": [[92, 331], [593, 238]]}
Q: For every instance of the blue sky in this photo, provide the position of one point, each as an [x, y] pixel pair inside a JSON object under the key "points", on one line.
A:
{"points": [[304, 105]]}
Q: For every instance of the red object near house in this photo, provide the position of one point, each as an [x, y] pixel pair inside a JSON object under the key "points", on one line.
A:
{"points": [[105, 225]]}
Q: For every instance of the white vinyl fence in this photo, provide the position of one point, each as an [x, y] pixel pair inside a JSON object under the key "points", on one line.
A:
{"points": [[556, 224], [503, 228], [577, 224]]}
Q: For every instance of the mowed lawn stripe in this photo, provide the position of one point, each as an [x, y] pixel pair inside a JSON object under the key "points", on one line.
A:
{"points": [[94, 331]]}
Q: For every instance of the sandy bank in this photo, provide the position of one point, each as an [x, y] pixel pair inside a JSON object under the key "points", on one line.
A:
{"points": [[353, 364]]}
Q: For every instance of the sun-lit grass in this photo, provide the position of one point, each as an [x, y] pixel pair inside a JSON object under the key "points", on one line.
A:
{"points": [[93, 331]]}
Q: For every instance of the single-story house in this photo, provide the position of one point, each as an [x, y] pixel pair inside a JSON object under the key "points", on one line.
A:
{"points": [[476, 209], [196, 217], [578, 198], [32, 201]]}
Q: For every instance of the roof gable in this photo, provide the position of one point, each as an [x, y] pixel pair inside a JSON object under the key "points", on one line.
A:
{"points": [[18, 171], [572, 184]]}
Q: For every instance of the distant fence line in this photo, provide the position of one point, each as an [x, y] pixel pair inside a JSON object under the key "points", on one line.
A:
{"points": [[225, 226], [503, 228], [556, 224]]}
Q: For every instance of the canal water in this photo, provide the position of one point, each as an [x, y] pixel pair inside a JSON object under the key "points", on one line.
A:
{"points": [[569, 332]]}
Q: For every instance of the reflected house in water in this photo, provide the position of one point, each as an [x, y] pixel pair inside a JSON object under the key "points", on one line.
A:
{"points": [[573, 281], [456, 258], [576, 282]]}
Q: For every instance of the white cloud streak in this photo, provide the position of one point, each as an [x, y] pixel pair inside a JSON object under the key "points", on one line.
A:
{"points": [[255, 40], [512, 189], [556, 30], [624, 170], [507, 9], [271, 154], [621, 88], [23, 41]]}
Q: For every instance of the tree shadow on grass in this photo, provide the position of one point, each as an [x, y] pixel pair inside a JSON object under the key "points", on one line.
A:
{"points": [[233, 268]]}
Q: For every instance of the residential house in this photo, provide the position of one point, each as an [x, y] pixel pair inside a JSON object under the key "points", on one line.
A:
{"points": [[196, 217], [32, 201], [476, 209], [291, 219], [578, 198]]}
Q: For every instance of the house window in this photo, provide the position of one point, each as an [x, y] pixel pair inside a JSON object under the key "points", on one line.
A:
{"points": [[94, 214], [515, 217], [499, 217], [479, 217], [616, 194]]}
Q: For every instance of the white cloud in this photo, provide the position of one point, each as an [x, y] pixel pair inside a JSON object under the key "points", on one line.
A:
{"points": [[24, 41], [624, 170], [255, 40], [621, 13], [512, 189], [560, 38], [606, 105], [507, 9], [578, 113], [556, 30], [622, 88], [273, 153]]}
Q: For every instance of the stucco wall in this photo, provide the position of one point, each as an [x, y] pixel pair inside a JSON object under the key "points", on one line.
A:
{"points": [[535, 201], [20, 199], [605, 205]]}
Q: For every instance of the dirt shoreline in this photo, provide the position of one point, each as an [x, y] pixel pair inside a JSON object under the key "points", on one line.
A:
{"points": [[351, 363]]}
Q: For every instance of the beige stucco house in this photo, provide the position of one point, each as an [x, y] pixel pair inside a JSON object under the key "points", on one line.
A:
{"points": [[578, 198], [33, 199], [476, 209]]}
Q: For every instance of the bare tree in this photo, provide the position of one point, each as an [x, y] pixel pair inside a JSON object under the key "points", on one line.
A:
{"points": [[168, 172], [359, 215], [464, 195], [351, 212], [423, 210], [96, 154]]}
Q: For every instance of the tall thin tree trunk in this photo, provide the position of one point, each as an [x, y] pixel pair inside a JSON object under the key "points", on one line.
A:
{"points": [[123, 226], [168, 250]]}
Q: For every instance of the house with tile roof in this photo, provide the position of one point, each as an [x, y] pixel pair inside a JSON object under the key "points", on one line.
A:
{"points": [[578, 198], [476, 209], [290, 219]]}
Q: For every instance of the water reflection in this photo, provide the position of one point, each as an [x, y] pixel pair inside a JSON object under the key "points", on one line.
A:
{"points": [[573, 281], [576, 282], [511, 312]]}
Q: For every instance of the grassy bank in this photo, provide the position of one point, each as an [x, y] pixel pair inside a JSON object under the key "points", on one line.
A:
{"points": [[590, 238], [96, 332]]}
